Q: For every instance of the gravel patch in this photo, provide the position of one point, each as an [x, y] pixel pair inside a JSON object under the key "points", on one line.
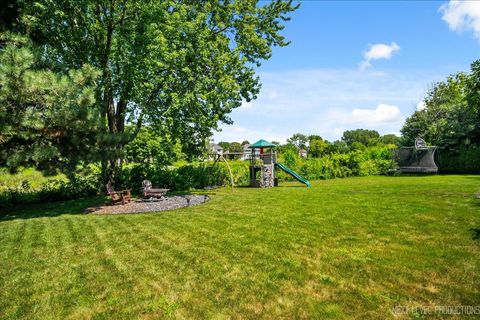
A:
{"points": [[138, 206]]}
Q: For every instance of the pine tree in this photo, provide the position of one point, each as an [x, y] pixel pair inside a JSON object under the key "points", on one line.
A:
{"points": [[47, 120]]}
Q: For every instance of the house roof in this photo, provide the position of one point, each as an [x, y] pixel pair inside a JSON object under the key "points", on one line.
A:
{"points": [[262, 144], [214, 145]]}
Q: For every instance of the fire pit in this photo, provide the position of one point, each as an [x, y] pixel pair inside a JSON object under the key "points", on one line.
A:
{"points": [[152, 194]]}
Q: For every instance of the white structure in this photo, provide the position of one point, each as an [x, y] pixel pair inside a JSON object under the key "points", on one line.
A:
{"points": [[302, 153], [215, 148], [247, 152]]}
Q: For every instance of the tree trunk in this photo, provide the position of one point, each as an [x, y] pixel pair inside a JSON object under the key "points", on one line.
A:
{"points": [[114, 115]]}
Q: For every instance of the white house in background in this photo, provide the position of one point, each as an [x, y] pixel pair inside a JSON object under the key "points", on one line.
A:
{"points": [[247, 152], [302, 153], [215, 148]]}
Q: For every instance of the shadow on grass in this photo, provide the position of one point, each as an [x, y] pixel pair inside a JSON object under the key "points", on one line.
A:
{"points": [[473, 176], [423, 175], [475, 233], [50, 209], [292, 186], [284, 184], [69, 207]]}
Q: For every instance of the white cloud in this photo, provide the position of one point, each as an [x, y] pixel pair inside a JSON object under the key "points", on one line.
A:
{"points": [[383, 114], [381, 51], [462, 16], [364, 65], [328, 102], [378, 51], [421, 106]]}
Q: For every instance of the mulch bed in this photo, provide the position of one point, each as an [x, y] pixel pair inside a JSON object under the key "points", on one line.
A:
{"points": [[138, 206]]}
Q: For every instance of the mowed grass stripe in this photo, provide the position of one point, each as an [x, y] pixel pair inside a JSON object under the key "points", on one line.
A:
{"points": [[13, 271], [347, 248]]}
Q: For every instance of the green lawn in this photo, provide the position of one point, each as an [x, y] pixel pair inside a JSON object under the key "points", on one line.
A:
{"points": [[347, 248]]}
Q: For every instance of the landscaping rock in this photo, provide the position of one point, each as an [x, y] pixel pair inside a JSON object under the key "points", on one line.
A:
{"points": [[138, 206]]}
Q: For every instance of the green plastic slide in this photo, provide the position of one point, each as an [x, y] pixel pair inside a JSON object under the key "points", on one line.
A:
{"points": [[293, 174]]}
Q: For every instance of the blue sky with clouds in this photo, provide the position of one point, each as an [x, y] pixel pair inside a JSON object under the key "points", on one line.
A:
{"points": [[354, 64]]}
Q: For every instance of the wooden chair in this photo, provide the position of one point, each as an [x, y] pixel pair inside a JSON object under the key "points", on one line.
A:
{"points": [[122, 196]]}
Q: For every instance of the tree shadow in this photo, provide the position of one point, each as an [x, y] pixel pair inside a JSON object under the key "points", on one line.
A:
{"points": [[71, 207], [417, 175], [279, 186], [476, 178], [50, 209], [475, 233], [291, 186]]}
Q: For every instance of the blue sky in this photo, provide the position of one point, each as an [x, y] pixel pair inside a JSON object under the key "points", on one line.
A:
{"points": [[354, 64]]}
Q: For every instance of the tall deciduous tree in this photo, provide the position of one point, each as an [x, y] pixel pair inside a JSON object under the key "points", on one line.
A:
{"points": [[451, 121], [180, 65], [390, 139], [225, 145], [317, 146], [365, 137], [149, 147], [235, 147], [447, 120], [299, 140], [9, 15]]}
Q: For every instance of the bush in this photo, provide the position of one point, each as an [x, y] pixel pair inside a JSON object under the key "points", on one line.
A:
{"points": [[464, 160], [186, 177], [370, 161], [53, 190]]}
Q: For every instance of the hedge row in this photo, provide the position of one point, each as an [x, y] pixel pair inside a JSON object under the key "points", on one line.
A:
{"points": [[53, 190], [372, 161], [464, 160], [191, 176]]}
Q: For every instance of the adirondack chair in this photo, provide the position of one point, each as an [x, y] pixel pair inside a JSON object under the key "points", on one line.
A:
{"points": [[122, 196], [149, 192]]}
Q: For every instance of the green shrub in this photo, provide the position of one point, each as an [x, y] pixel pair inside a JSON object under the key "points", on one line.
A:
{"points": [[463, 160], [370, 161], [34, 177], [191, 176], [52, 190]]}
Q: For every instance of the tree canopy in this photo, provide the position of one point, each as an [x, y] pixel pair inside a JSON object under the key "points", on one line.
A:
{"points": [[365, 137], [450, 117], [149, 147], [317, 146], [181, 66], [299, 140], [235, 147]]}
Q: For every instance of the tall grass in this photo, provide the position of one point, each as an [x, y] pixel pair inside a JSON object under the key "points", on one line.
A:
{"points": [[34, 178]]}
